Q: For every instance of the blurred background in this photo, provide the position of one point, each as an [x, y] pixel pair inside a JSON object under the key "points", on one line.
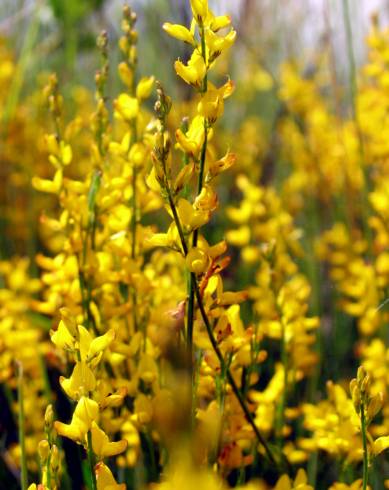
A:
{"points": [[325, 39], [61, 34], [292, 59]]}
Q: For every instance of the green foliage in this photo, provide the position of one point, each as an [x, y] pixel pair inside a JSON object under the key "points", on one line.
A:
{"points": [[72, 11]]}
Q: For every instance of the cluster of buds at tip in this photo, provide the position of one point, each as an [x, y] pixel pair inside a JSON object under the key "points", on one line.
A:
{"points": [[128, 41], [53, 97], [161, 151], [100, 119], [163, 104], [102, 74], [364, 402], [102, 43], [49, 421], [268, 252], [49, 454]]}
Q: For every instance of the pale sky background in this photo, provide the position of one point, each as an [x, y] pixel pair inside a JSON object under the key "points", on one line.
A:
{"points": [[310, 16], [297, 25]]}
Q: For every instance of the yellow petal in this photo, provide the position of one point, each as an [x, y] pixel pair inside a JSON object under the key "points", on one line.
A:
{"points": [[81, 382], [71, 431], [105, 479], [126, 74], [144, 88], [199, 10], [49, 186], [99, 344], [197, 260], [84, 342], [179, 32], [127, 107], [101, 445], [381, 444], [62, 338]]}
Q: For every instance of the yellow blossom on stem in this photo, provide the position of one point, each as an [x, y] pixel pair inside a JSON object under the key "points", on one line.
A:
{"points": [[105, 479], [126, 107], [211, 105], [81, 382], [193, 73], [86, 412], [199, 10], [102, 447], [192, 141], [179, 32]]}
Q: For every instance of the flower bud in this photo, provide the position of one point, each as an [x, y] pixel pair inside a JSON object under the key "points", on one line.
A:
{"points": [[55, 458], [361, 373], [44, 451], [144, 88], [179, 32], [102, 42], [366, 384], [375, 405], [49, 416], [197, 260], [199, 10], [356, 397], [126, 74]]}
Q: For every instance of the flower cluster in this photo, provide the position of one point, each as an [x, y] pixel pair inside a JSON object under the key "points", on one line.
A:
{"points": [[197, 296]]}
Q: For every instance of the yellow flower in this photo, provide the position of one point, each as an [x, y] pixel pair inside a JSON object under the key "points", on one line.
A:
{"points": [[219, 22], [357, 485], [300, 482], [49, 186], [217, 44], [101, 446], [126, 74], [60, 152], [192, 141], [81, 382], [199, 10], [211, 105], [179, 32], [62, 337], [126, 107], [197, 260], [190, 217], [144, 88], [105, 479], [194, 72], [207, 200], [85, 413], [381, 444], [91, 349], [218, 166]]}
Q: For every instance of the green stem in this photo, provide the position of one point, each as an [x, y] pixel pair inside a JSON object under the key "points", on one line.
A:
{"points": [[350, 53], [192, 278], [214, 344], [48, 471], [365, 451], [281, 405], [312, 468], [22, 442], [190, 319], [153, 464], [231, 379], [204, 55], [133, 220], [134, 138], [191, 309], [91, 461]]}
